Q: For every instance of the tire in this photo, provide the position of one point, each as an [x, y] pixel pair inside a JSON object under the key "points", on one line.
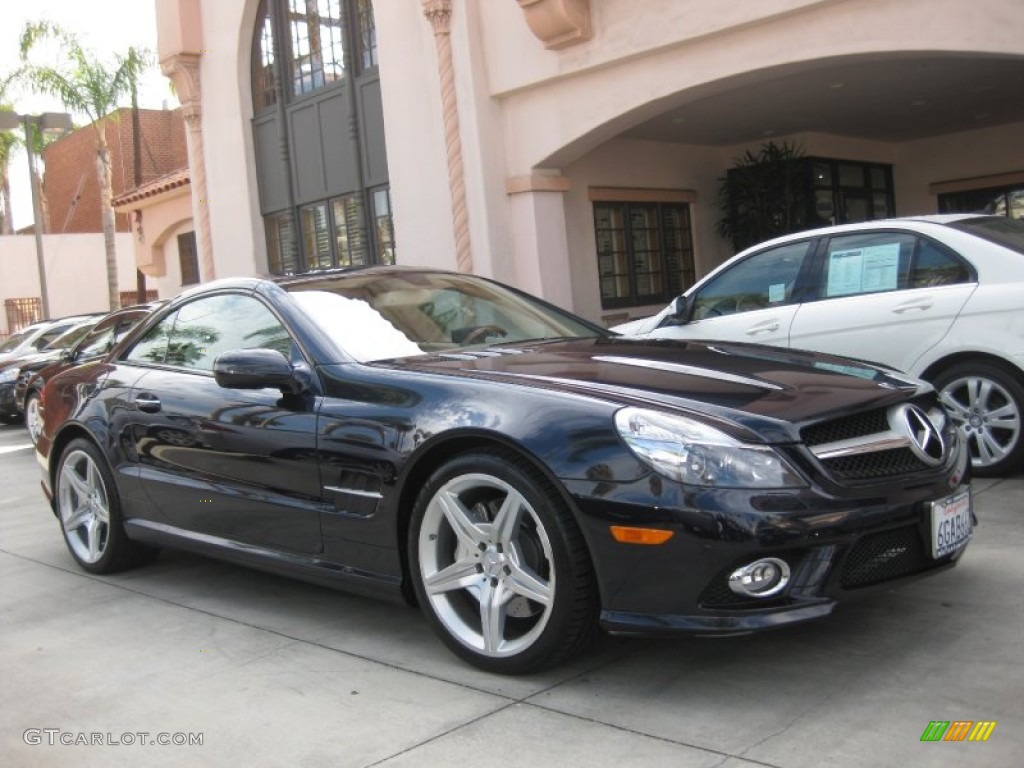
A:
{"points": [[510, 596], [987, 403], [89, 512], [33, 422]]}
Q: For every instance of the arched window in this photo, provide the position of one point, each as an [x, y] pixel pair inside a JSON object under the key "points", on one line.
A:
{"points": [[263, 61], [316, 103]]}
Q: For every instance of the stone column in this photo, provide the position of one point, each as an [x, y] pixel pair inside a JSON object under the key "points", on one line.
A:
{"points": [[439, 13], [183, 71], [540, 238]]}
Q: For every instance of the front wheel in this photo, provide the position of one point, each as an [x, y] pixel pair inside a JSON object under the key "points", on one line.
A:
{"points": [[986, 402], [33, 418], [90, 512], [499, 565]]}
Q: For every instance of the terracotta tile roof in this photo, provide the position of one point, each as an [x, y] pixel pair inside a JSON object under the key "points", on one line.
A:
{"points": [[165, 183]]}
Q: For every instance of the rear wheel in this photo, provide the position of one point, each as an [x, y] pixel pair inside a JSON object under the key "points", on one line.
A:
{"points": [[499, 566], [90, 512], [986, 402]]}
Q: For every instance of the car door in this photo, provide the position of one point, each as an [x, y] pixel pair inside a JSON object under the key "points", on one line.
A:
{"points": [[883, 295], [754, 299], [236, 464]]}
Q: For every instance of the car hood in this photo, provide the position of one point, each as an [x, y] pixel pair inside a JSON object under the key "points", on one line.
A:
{"points": [[766, 389], [25, 359]]}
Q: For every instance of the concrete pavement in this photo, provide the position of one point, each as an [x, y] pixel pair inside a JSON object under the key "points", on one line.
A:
{"points": [[274, 672]]}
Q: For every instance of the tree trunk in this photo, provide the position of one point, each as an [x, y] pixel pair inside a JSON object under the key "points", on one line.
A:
{"points": [[106, 196], [6, 225]]}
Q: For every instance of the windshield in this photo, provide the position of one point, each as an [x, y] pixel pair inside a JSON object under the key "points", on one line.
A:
{"points": [[1008, 233], [378, 316], [68, 339], [16, 339]]}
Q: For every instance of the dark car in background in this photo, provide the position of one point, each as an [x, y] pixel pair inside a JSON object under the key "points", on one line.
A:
{"points": [[523, 475], [37, 336], [87, 344], [44, 341]]}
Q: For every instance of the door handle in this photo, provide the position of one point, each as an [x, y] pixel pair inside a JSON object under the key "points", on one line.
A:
{"points": [[147, 403], [769, 327], [919, 305]]}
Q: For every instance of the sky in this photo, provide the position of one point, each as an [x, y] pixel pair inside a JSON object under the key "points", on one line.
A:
{"points": [[106, 27]]}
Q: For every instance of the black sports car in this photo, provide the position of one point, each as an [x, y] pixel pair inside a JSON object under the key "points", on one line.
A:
{"points": [[523, 475]]}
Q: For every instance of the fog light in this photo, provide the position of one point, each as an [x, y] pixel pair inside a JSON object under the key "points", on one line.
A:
{"points": [[761, 578]]}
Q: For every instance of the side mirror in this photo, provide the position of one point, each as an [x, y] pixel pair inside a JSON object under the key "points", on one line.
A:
{"points": [[257, 369], [67, 355], [679, 307], [680, 311]]}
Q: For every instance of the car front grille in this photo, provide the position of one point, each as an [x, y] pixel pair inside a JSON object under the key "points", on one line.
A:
{"points": [[870, 466], [858, 425], [870, 462], [887, 555]]}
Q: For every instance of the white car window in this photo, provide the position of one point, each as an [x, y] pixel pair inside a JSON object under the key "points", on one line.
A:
{"points": [[876, 262], [765, 279]]}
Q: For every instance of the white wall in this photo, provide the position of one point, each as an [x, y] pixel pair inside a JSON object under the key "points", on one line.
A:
{"points": [[76, 271]]}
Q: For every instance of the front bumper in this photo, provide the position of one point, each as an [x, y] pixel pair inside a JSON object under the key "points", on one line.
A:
{"points": [[837, 545], [8, 405]]}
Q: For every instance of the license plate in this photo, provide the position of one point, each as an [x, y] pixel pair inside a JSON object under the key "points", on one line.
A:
{"points": [[951, 523]]}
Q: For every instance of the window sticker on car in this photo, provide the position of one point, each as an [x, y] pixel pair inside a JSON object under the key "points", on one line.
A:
{"points": [[864, 270], [776, 293]]}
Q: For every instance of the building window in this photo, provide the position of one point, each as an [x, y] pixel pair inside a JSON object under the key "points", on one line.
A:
{"points": [[282, 251], [263, 61], [846, 191], [996, 201], [316, 237], [367, 34], [349, 232], [644, 252], [188, 257], [317, 40], [384, 226], [341, 218]]}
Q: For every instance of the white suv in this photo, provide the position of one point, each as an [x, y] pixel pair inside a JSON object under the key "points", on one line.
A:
{"points": [[939, 297]]}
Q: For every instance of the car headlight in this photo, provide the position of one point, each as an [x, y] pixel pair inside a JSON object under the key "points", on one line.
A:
{"points": [[697, 454], [8, 374]]}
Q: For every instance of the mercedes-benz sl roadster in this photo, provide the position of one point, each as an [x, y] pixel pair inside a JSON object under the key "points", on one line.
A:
{"points": [[524, 476]]}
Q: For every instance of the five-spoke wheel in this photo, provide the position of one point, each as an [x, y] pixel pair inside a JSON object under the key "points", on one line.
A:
{"points": [[33, 418], [500, 566], [90, 513], [986, 403]]}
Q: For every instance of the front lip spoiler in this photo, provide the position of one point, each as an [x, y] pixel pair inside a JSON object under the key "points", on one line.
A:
{"points": [[652, 625]]}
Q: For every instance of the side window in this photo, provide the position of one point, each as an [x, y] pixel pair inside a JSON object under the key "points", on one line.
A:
{"points": [[97, 342], [207, 327], [152, 347], [765, 279], [875, 262], [934, 265], [871, 262]]}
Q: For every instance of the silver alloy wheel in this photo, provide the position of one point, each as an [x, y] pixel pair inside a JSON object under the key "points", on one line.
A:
{"points": [[33, 420], [487, 565], [84, 507], [987, 414]]}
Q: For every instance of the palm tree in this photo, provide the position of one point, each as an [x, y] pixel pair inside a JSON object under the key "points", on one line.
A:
{"points": [[87, 85], [8, 142]]}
